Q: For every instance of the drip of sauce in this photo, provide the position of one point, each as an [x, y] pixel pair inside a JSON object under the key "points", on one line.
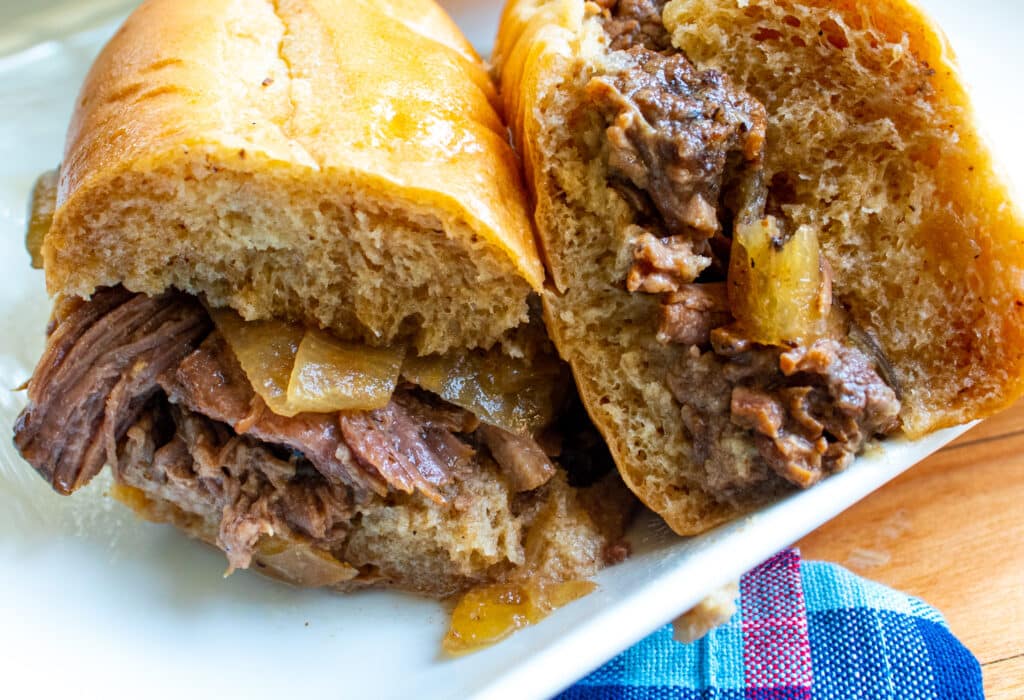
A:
{"points": [[488, 614]]}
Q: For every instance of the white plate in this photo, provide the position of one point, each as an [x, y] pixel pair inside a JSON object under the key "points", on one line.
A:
{"points": [[92, 600]]}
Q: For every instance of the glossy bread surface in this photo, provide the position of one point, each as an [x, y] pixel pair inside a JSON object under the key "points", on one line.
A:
{"points": [[386, 96]]}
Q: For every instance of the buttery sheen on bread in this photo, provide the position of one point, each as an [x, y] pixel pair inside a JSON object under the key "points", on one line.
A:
{"points": [[313, 160], [828, 177], [292, 266]]}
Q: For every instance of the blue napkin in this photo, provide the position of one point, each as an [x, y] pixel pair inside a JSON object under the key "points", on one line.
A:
{"points": [[802, 631]]}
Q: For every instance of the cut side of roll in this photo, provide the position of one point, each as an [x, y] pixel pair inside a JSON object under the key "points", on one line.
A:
{"points": [[292, 270], [773, 232]]}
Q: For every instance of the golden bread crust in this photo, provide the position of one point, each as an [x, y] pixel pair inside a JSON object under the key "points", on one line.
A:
{"points": [[380, 108]]}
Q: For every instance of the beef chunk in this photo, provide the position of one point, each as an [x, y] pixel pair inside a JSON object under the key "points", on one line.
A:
{"points": [[392, 442], [853, 382], [635, 22], [689, 315], [676, 135], [673, 130], [526, 464], [801, 413], [664, 265]]}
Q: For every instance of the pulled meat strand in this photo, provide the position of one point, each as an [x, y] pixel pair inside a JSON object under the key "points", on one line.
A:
{"points": [[390, 441], [520, 457], [98, 371], [211, 381]]}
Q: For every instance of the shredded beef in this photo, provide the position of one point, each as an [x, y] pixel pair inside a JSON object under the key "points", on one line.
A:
{"points": [[237, 486], [802, 413], [97, 373], [121, 360], [689, 315], [675, 134], [210, 381], [723, 449], [392, 442], [109, 358], [663, 264], [672, 132]]}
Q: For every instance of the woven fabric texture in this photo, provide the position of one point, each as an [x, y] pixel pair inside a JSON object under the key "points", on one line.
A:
{"points": [[802, 631]]}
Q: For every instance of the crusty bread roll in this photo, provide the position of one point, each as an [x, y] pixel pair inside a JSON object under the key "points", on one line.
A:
{"points": [[316, 165], [304, 159], [869, 143]]}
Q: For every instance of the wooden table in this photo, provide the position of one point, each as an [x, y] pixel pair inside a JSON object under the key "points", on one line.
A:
{"points": [[951, 531]]}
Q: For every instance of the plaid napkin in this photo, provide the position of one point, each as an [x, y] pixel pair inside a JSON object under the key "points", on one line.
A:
{"points": [[802, 631]]}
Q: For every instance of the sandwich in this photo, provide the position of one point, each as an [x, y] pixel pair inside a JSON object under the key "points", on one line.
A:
{"points": [[773, 235], [293, 280]]}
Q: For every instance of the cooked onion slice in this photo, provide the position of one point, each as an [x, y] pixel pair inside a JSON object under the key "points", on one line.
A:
{"points": [[266, 351], [776, 288], [297, 370], [505, 392], [302, 564], [489, 614], [332, 375], [41, 209]]}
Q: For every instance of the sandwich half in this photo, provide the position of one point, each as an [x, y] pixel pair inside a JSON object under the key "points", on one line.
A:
{"points": [[292, 270], [772, 231]]}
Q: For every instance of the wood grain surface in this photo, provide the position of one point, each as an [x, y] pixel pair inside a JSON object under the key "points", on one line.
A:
{"points": [[951, 531]]}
